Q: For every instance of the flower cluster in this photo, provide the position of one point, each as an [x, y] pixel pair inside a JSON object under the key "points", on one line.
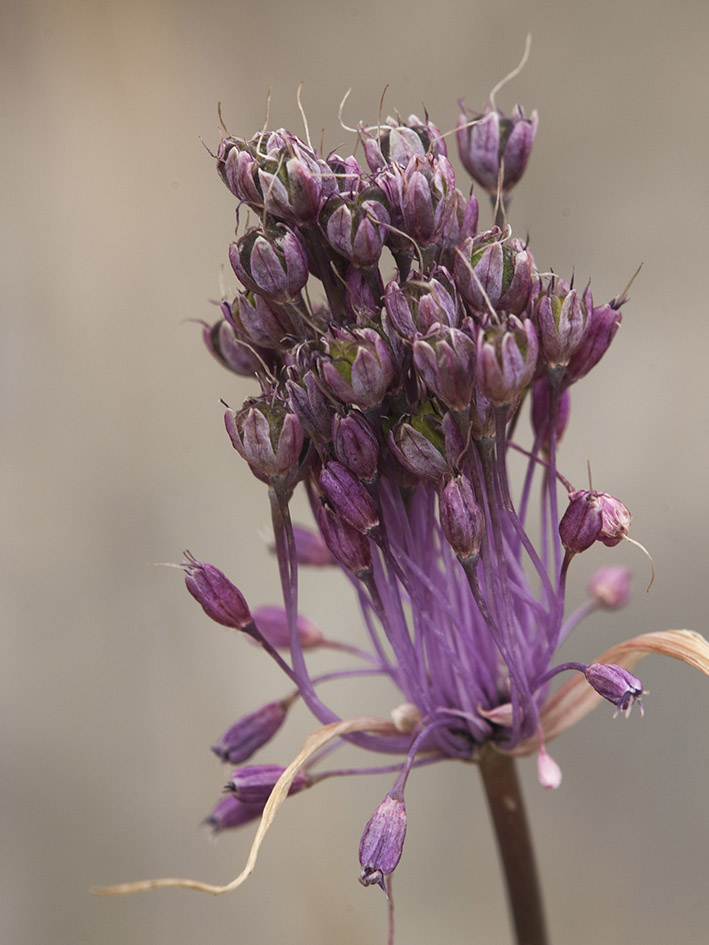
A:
{"points": [[395, 342]]}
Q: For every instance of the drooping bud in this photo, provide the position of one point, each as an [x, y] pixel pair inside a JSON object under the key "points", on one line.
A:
{"points": [[267, 435], [489, 272], [310, 404], [611, 587], [548, 771], [506, 360], [356, 445], [541, 406], [601, 325], [271, 262], [349, 546], [349, 498], [263, 322], [272, 622], [234, 352], [220, 599], [231, 812], [356, 227], [615, 684], [252, 784], [496, 140], [462, 519], [593, 516], [358, 366], [382, 842], [250, 733], [445, 360]]}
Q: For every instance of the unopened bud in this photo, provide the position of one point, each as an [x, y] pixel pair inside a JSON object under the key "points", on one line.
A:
{"points": [[462, 519], [220, 599], [349, 498], [615, 684], [231, 812], [611, 587], [253, 784], [272, 622], [382, 842], [250, 733]]}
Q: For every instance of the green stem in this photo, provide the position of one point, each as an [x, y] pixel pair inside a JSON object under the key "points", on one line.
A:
{"points": [[514, 843]]}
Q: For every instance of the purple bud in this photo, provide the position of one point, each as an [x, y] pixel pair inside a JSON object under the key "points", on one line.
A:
{"points": [[250, 733], [422, 303], [397, 142], [310, 404], [310, 549], [363, 296], [506, 360], [615, 684], [272, 622], [541, 405], [263, 322], [419, 445], [356, 227], [489, 272], [220, 599], [560, 320], [358, 367], [593, 516], [272, 263], [445, 360], [493, 140], [462, 519], [231, 812], [234, 352], [267, 435], [348, 497], [253, 784], [601, 326], [349, 546], [611, 587], [356, 445], [422, 195], [382, 842]]}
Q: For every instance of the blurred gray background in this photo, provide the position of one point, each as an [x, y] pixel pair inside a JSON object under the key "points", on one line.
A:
{"points": [[112, 683]]}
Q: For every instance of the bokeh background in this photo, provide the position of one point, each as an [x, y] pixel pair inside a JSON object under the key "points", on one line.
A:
{"points": [[113, 684]]}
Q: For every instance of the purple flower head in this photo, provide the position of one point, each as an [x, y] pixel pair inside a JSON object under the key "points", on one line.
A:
{"points": [[396, 413]]}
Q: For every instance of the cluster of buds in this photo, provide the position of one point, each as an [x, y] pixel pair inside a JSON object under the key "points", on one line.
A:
{"points": [[390, 397]]}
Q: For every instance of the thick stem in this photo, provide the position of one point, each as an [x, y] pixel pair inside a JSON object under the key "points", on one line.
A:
{"points": [[514, 843]]}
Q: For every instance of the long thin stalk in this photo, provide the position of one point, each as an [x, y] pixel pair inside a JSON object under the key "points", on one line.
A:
{"points": [[514, 843]]}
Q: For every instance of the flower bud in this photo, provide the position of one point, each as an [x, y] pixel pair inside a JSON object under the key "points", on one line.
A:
{"points": [[615, 684], [230, 347], [601, 325], [397, 142], [262, 322], [346, 173], [611, 587], [363, 300], [506, 360], [358, 366], [548, 771], [356, 445], [231, 812], [220, 599], [348, 497], [419, 444], [560, 319], [349, 546], [355, 227], [267, 435], [382, 842], [422, 196], [250, 733], [462, 519], [272, 622], [310, 549], [445, 360], [488, 273], [422, 303], [493, 141], [252, 784], [310, 404], [271, 262], [590, 517]]}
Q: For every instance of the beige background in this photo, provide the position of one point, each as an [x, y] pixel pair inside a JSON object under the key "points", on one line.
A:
{"points": [[112, 684]]}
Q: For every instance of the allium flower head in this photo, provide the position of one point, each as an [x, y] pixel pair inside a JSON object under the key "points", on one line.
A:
{"points": [[398, 412]]}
